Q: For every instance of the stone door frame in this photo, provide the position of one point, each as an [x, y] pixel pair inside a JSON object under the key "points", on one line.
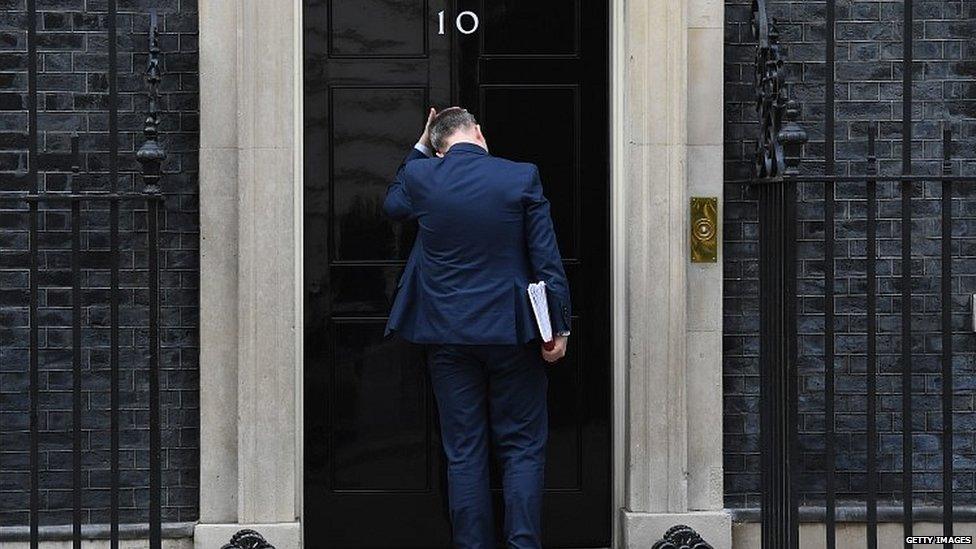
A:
{"points": [[666, 146]]}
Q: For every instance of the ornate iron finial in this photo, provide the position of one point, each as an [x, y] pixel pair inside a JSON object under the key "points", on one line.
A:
{"points": [[772, 99], [792, 136], [151, 154], [248, 539], [681, 537]]}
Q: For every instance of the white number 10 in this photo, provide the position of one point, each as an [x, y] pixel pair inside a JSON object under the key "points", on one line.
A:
{"points": [[459, 22]]}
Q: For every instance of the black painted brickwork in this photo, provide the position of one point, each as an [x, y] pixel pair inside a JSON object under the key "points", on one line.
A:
{"points": [[868, 90], [73, 86]]}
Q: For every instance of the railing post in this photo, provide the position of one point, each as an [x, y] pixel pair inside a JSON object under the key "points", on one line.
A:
{"points": [[76, 358], [778, 152], [151, 156]]}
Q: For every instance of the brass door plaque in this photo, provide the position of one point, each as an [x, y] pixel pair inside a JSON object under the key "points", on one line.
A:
{"points": [[704, 229]]}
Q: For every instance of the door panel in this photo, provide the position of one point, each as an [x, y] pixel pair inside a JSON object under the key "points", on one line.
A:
{"points": [[517, 27], [511, 117], [369, 127], [380, 413], [357, 29], [374, 471]]}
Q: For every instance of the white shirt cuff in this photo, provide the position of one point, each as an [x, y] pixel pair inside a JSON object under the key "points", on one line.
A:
{"points": [[423, 148]]}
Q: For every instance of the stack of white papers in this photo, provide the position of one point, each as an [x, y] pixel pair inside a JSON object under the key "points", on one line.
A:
{"points": [[540, 307]]}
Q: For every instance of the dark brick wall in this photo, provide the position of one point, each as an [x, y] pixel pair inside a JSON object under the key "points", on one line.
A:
{"points": [[73, 97], [868, 91]]}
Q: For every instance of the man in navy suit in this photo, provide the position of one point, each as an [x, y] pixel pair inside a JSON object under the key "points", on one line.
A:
{"points": [[484, 234]]}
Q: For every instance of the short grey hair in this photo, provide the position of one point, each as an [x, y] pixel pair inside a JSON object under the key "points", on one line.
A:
{"points": [[446, 123]]}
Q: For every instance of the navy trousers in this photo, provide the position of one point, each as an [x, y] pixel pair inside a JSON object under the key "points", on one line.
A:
{"points": [[496, 393]]}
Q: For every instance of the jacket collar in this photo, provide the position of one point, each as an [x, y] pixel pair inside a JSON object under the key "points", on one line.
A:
{"points": [[466, 147]]}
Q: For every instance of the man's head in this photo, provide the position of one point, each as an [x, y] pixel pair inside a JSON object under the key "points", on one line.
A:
{"points": [[455, 125]]}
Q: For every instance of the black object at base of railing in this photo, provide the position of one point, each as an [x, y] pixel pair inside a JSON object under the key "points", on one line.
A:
{"points": [[248, 539], [681, 537]]}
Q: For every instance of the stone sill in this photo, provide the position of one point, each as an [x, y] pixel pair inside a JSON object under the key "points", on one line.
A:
{"points": [[857, 513], [65, 532]]}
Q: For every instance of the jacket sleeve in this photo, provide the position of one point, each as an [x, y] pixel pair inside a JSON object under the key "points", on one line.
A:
{"points": [[397, 204], [547, 264]]}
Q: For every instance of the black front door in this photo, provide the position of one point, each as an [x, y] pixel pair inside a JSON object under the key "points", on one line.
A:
{"points": [[535, 74]]}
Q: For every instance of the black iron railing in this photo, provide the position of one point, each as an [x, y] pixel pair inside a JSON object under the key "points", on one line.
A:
{"points": [[777, 177], [36, 202], [777, 157]]}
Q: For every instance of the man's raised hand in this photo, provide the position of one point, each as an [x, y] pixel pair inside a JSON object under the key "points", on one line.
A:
{"points": [[425, 137]]}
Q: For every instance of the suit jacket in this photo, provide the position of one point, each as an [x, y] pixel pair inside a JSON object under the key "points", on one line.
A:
{"points": [[484, 234]]}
